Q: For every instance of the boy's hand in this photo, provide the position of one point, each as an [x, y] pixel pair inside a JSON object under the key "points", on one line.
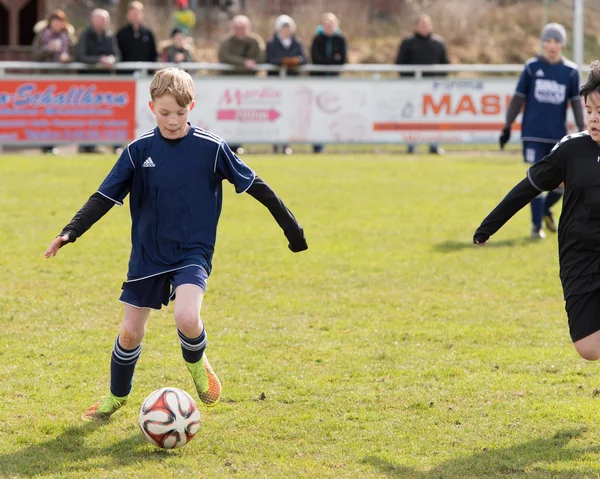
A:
{"points": [[296, 239], [480, 239], [504, 137], [57, 244]]}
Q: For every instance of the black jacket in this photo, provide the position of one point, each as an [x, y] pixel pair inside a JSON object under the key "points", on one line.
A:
{"points": [[92, 46], [137, 46], [420, 50], [276, 52], [328, 51]]}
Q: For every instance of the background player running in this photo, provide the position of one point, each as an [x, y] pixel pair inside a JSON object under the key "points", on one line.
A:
{"points": [[547, 84], [575, 160], [173, 176]]}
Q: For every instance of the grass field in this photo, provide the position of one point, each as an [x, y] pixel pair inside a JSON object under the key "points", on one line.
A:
{"points": [[391, 348]]}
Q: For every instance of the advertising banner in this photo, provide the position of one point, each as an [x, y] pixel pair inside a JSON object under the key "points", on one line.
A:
{"points": [[38, 111], [333, 110]]}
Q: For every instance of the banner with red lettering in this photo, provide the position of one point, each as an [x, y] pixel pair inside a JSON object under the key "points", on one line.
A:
{"points": [[38, 112], [335, 110]]}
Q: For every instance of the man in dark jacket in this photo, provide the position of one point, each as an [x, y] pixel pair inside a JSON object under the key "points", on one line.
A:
{"points": [[136, 42], [423, 48], [97, 46]]}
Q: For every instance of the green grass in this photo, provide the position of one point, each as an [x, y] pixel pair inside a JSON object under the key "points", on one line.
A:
{"points": [[391, 348]]}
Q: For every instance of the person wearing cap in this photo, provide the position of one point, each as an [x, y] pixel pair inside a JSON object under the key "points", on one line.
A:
{"points": [[284, 49], [178, 49], [549, 82]]}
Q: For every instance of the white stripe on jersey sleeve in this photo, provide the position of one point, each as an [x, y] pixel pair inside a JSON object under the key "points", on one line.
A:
{"points": [[108, 197], [209, 138], [207, 133]]}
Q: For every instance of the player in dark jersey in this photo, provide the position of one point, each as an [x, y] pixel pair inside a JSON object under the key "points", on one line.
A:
{"points": [[546, 86], [173, 176], [575, 160]]}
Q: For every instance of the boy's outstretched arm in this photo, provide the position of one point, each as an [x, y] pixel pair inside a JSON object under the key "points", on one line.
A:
{"points": [[517, 198], [94, 209], [284, 217]]}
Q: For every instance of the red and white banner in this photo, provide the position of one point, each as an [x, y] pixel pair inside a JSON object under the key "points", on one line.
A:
{"points": [[262, 110], [333, 110], [38, 111]]}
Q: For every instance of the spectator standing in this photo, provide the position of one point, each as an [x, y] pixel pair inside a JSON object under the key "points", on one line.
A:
{"points": [[53, 42], [184, 17], [98, 46], [178, 49], [244, 50], [136, 42], [328, 48], [423, 48], [284, 49]]}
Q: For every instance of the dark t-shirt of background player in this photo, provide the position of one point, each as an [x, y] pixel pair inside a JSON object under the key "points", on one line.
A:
{"points": [[576, 161]]}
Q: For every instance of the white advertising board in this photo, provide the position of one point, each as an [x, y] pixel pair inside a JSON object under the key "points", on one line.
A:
{"points": [[333, 110]]}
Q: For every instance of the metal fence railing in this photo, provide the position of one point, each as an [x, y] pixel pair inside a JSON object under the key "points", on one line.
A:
{"points": [[145, 68]]}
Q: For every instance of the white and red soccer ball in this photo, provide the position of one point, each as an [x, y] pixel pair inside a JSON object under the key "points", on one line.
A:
{"points": [[169, 418]]}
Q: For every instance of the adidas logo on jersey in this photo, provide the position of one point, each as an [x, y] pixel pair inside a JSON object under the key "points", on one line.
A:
{"points": [[148, 163], [539, 73]]}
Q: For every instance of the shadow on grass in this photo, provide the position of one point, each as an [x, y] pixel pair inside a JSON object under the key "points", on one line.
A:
{"points": [[510, 461], [69, 453], [451, 246]]}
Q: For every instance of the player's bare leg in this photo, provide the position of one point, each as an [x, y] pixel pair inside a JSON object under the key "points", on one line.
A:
{"points": [[124, 357], [589, 347], [193, 342]]}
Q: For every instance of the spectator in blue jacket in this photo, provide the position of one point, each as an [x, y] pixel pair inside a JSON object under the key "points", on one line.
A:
{"points": [[284, 49]]}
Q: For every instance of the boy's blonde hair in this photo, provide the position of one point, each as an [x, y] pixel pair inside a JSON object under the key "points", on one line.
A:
{"points": [[175, 82]]}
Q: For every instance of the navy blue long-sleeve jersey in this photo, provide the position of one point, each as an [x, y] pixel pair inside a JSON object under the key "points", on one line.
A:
{"points": [[175, 198]]}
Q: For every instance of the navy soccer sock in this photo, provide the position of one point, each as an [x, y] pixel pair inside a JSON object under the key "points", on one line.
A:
{"points": [[552, 198], [192, 348], [537, 211], [122, 366]]}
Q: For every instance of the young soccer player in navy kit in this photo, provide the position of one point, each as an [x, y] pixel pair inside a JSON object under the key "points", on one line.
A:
{"points": [[575, 160], [173, 176], [546, 86]]}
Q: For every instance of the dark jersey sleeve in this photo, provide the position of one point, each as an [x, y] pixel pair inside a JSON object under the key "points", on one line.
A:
{"points": [[94, 209], [524, 84], [229, 167], [549, 173], [284, 217], [517, 198], [117, 184], [545, 175]]}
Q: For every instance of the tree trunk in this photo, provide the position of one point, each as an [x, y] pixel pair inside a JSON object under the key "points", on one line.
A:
{"points": [[122, 13]]}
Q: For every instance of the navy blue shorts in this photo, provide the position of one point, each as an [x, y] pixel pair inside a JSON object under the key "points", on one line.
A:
{"points": [[534, 151], [157, 290]]}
